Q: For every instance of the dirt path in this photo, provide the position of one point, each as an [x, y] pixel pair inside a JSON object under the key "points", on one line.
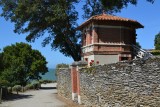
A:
{"points": [[39, 98]]}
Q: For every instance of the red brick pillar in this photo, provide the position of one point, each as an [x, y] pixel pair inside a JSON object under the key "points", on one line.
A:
{"points": [[74, 79], [81, 64]]}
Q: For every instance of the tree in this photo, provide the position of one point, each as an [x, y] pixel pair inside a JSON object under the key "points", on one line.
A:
{"points": [[36, 17], [138, 45], [94, 7], [1, 63], [113, 6], [157, 41], [22, 63], [56, 17]]}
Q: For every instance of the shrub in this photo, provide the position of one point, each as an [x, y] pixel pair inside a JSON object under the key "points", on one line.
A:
{"points": [[46, 81], [36, 85], [17, 88], [155, 52], [9, 89], [25, 88], [29, 86], [62, 66], [3, 82]]}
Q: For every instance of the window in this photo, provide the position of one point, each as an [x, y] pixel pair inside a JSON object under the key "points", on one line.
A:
{"points": [[124, 58]]}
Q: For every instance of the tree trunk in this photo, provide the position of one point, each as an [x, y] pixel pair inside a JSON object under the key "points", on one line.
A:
{"points": [[0, 95]]}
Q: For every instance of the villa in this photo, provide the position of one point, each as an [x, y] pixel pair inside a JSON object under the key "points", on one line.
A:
{"points": [[108, 39]]}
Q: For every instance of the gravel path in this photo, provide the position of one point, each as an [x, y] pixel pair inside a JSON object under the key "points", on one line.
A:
{"points": [[39, 98]]}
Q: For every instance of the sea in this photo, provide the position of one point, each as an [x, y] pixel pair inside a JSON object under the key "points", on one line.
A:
{"points": [[50, 75]]}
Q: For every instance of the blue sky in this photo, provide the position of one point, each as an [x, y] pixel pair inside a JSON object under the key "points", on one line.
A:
{"points": [[145, 13]]}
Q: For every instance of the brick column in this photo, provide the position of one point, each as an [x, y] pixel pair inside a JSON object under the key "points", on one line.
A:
{"points": [[81, 64], [74, 79]]}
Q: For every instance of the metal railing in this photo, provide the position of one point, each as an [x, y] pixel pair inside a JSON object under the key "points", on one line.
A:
{"points": [[141, 53]]}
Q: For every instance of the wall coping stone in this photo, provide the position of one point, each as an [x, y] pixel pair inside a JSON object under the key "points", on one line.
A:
{"points": [[82, 63], [79, 63], [63, 68], [74, 64]]}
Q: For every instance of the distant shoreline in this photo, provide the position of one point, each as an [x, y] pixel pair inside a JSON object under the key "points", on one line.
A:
{"points": [[50, 75]]}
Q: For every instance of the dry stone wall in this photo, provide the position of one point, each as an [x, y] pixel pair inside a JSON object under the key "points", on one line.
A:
{"points": [[125, 84], [64, 83]]}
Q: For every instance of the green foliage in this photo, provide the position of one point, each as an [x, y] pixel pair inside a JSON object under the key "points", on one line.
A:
{"points": [[1, 63], [3, 82], [138, 45], [155, 52], [46, 81], [36, 17], [36, 85], [33, 85], [62, 66], [157, 41], [22, 63], [94, 7], [112, 6], [9, 89], [17, 88], [29, 86], [58, 18]]}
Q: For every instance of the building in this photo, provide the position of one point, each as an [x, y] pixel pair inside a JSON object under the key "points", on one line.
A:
{"points": [[108, 39]]}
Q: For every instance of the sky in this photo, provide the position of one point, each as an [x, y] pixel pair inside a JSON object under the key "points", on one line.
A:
{"points": [[146, 13]]}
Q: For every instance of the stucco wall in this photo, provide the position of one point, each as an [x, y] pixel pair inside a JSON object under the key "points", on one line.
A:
{"points": [[103, 59], [124, 84], [106, 59]]}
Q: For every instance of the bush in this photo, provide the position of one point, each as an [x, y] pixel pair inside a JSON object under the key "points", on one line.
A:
{"points": [[155, 52], [29, 86], [17, 88], [62, 66], [46, 81], [36, 85], [9, 89], [3, 82]]}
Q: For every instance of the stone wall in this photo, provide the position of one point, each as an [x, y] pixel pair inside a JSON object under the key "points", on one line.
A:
{"points": [[64, 83], [124, 84]]}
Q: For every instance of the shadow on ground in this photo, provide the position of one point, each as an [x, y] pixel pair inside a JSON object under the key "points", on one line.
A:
{"points": [[13, 97], [48, 88]]}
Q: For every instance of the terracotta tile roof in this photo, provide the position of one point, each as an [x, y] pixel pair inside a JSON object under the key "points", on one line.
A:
{"points": [[106, 17]]}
